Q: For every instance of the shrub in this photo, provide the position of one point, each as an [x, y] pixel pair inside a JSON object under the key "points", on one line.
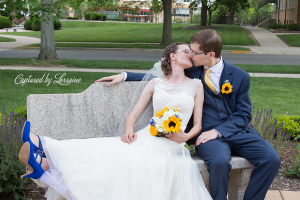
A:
{"points": [[290, 124], [98, 16], [57, 24], [22, 112], [275, 131], [277, 26], [5, 22], [90, 16], [75, 18], [292, 27], [27, 24], [36, 25], [10, 168], [178, 20]]}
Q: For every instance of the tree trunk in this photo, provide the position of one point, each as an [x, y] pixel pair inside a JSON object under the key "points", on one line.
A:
{"points": [[209, 17], [47, 49], [203, 15], [231, 18], [167, 26]]}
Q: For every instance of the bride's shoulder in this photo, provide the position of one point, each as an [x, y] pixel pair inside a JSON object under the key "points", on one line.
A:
{"points": [[196, 81]]}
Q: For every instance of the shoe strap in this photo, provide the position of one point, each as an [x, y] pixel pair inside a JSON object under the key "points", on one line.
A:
{"points": [[41, 160], [39, 149]]}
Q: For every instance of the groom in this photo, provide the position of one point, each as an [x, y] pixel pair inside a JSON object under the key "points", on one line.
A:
{"points": [[226, 115]]}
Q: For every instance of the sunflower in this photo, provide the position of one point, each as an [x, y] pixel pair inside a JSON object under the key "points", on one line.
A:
{"points": [[161, 112], [226, 88], [172, 125], [153, 131]]}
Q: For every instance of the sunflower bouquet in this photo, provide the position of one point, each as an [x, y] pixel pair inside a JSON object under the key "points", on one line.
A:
{"points": [[165, 121]]}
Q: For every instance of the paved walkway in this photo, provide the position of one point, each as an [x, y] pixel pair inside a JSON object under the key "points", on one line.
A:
{"points": [[20, 41], [128, 70], [282, 195], [270, 43]]}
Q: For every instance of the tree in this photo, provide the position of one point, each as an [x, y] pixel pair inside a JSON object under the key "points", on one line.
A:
{"points": [[167, 26], [43, 11], [156, 8], [234, 6], [206, 6]]}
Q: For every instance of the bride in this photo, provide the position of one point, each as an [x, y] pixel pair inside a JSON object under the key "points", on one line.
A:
{"points": [[136, 166]]}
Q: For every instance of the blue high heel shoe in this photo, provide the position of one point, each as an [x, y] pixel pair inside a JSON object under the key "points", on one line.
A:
{"points": [[26, 138], [26, 156]]}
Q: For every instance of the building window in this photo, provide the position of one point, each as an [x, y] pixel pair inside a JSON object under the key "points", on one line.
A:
{"points": [[280, 4], [294, 4]]}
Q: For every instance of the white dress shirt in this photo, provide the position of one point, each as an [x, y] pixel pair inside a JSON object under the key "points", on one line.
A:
{"points": [[215, 74]]}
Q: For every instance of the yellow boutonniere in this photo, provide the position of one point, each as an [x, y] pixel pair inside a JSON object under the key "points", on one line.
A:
{"points": [[226, 88]]}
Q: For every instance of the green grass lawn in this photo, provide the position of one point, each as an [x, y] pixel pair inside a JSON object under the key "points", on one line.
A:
{"points": [[79, 31], [5, 39], [279, 94], [292, 40], [124, 64], [139, 45], [14, 95]]}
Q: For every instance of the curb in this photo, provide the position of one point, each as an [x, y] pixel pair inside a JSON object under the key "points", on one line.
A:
{"points": [[128, 50]]}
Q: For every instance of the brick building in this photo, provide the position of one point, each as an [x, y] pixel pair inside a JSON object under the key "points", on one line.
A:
{"points": [[284, 11], [144, 15]]}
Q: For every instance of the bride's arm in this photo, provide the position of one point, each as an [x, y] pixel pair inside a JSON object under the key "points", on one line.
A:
{"points": [[145, 97], [199, 99], [198, 106]]}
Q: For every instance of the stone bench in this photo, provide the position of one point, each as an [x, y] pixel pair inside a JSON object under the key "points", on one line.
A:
{"points": [[15, 29], [96, 112]]}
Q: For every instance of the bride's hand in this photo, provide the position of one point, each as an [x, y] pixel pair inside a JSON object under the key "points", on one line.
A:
{"points": [[178, 137], [129, 137]]}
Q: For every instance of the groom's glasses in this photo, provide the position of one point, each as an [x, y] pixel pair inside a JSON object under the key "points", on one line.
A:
{"points": [[196, 54], [186, 51]]}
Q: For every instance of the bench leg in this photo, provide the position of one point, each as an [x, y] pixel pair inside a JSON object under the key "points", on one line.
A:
{"points": [[6, 30], [15, 30], [238, 182]]}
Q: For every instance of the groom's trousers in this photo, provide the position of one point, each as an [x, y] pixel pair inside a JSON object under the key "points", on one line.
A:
{"points": [[217, 154]]}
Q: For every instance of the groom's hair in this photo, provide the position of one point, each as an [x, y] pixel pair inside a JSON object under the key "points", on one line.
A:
{"points": [[208, 40]]}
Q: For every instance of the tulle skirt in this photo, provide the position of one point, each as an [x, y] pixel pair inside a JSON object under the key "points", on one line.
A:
{"points": [[150, 168]]}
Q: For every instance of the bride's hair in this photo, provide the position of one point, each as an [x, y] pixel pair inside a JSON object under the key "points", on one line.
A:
{"points": [[166, 60]]}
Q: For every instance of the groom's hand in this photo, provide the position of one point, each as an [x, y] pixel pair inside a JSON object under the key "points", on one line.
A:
{"points": [[206, 136], [129, 137], [178, 137], [113, 79]]}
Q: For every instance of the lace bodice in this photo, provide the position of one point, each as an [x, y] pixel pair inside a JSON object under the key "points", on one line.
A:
{"points": [[179, 95]]}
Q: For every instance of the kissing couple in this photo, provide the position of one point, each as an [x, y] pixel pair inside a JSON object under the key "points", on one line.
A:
{"points": [[213, 98]]}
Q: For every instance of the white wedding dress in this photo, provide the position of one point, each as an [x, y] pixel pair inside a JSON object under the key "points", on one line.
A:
{"points": [[151, 168]]}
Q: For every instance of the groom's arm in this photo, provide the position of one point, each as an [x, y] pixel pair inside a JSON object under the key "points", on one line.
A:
{"points": [[121, 77], [134, 76]]}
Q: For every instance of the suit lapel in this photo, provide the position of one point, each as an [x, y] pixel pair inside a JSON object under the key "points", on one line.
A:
{"points": [[226, 75]]}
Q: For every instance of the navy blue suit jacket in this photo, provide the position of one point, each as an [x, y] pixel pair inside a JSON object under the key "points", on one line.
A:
{"points": [[238, 104]]}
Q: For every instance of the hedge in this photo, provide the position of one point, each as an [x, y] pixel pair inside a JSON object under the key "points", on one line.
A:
{"points": [[27, 24], [5, 22]]}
